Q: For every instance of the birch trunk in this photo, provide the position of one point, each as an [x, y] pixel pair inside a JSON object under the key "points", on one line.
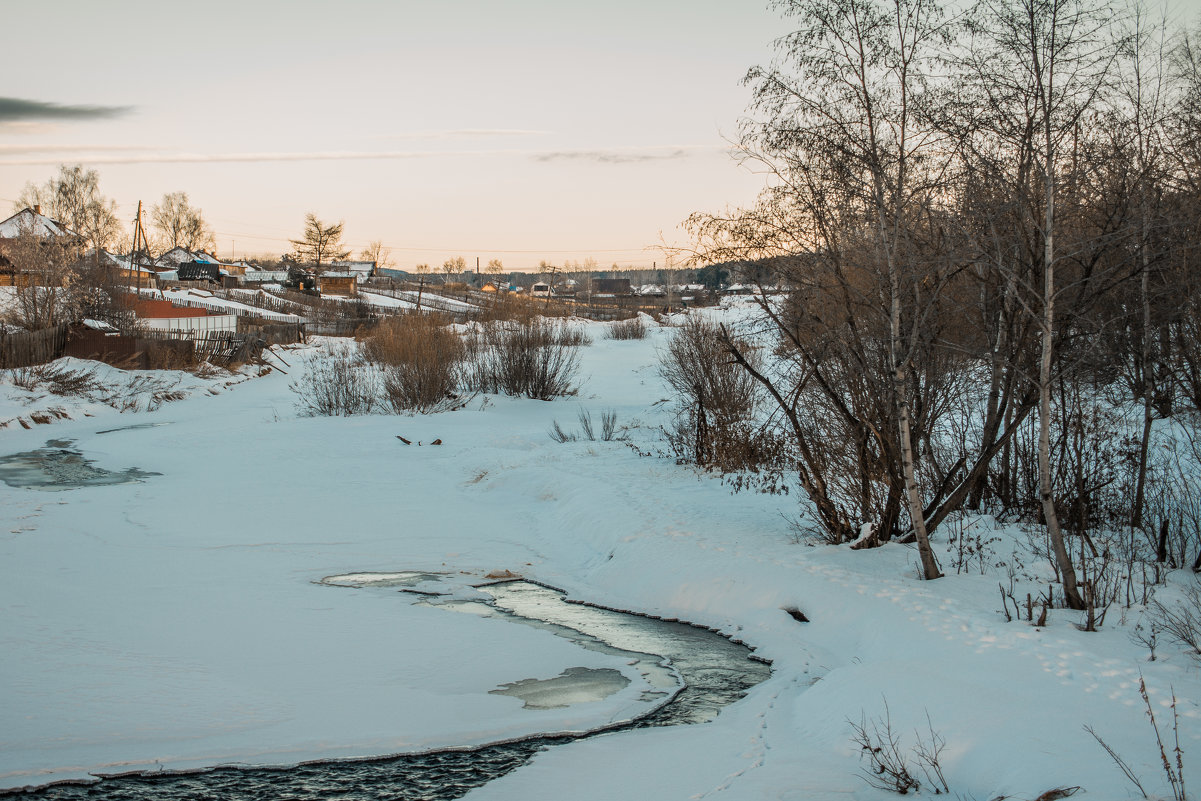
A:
{"points": [[1063, 559]]}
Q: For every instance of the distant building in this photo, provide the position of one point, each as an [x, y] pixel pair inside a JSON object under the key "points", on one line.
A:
{"points": [[31, 220], [28, 221], [612, 286], [199, 271], [173, 258], [362, 269], [338, 283]]}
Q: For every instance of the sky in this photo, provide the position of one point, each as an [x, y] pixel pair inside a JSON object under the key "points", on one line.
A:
{"points": [[526, 131]]}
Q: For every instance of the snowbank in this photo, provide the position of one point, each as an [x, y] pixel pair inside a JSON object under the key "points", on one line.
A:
{"points": [[180, 621]]}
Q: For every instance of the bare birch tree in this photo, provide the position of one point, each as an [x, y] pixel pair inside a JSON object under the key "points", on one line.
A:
{"points": [[859, 175], [73, 198], [378, 253], [44, 266], [452, 267], [1043, 64], [180, 224]]}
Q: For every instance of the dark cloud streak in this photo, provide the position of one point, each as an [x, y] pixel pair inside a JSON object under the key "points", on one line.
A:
{"points": [[13, 109]]}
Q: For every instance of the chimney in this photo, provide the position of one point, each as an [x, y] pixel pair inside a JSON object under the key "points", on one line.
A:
{"points": [[37, 208]]}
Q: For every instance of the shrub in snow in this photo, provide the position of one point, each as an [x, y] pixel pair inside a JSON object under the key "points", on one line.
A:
{"points": [[420, 359], [634, 328], [534, 358], [890, 766], [338, 383], [608, 429], [716, 400]]}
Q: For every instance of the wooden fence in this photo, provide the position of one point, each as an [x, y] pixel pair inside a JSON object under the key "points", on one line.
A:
{"points": [[273, 333], [27, 348]]}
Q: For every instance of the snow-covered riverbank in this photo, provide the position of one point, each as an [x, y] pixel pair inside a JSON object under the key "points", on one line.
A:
{"points": [[179, 621]]}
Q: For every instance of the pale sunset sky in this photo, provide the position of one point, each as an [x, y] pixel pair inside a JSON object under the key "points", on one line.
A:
{"points": [[522, 130]]}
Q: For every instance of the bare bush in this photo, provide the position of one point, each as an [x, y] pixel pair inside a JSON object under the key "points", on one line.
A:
{"points": [[1181, 620], [716, 399], [530, 358], [338, 383], [420, 358], [1173, 765], [698, 367], [890, 767], [608, 424], [608, 428], [561, 436], [572, 336], [56, 379], [634, 328]]}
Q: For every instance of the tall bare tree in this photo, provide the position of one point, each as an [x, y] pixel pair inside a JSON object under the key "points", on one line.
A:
{"points": [[44, 266], [378, 253], [860, 175], [320, 243], [452, 267], [180, 224], [73, 198], [1042, 66]]}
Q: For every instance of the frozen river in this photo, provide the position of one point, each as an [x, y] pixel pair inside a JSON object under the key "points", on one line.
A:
{"points": [[689, 675]]}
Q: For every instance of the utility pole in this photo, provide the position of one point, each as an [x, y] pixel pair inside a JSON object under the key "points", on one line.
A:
{"points": [[139, 243], [552, 271]]}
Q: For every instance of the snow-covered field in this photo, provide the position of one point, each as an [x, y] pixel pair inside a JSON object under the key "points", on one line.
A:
{"points": [[179, 621]]}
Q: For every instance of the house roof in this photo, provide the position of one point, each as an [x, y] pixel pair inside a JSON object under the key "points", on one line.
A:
{"points": [[354, 266], [121, 262], [175, 256], [99, 325], [29, 220]]}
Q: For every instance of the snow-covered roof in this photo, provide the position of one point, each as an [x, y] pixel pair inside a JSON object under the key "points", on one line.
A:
{"points": [[28, 220], [354, 266], [204, 257], [265, 275], [123, 263], [338, 274], [175, 256], [100, 325]]}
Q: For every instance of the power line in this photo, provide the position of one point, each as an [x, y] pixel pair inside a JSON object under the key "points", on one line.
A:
{"points": [[402, 248]]}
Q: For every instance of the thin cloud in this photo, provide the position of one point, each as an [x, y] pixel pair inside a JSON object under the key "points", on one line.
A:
{"points": [[13, 109], [466, 133], [220, 158], [615, 156], [18, 150], [27, 128]]}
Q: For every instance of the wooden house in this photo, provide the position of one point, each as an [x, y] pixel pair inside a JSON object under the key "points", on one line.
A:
{"points": [[338, 283]]}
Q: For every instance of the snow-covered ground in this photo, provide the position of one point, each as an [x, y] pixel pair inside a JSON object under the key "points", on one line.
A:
{"points": [[180, 621]]}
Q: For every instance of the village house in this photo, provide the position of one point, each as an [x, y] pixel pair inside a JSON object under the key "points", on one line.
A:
{"points": [[611, 286], [24, 222], [173, 258], [135, 272], [338, 283], [31, 220], [361, 269]]}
